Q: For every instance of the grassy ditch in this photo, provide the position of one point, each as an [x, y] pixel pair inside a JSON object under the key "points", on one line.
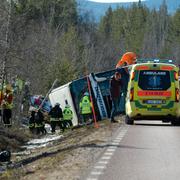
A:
{"points": [[13, 138]]}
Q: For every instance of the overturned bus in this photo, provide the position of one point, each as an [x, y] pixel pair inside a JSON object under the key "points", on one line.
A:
{"points": [[72, 92]]}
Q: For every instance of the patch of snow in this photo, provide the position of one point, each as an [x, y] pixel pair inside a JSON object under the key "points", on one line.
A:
{"points": [[42, 142]]}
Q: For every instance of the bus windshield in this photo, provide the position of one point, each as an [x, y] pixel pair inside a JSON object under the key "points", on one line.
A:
{"points": [[154, 80]]}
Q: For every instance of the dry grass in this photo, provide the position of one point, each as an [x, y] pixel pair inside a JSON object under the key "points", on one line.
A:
{"points": [[12, 138]]}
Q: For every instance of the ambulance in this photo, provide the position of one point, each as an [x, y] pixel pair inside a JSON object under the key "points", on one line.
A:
{"points": [[153, 92]]}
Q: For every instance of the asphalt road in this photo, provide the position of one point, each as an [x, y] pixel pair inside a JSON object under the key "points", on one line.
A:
{"points": [[144, 151]]}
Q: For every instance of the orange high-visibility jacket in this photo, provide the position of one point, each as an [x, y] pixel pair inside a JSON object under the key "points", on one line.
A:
{"points": [[129, 58]]}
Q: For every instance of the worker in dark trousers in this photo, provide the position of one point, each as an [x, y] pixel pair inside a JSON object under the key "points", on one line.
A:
{"points": [[39, 122], [32, 121], [56, 116], [7, 106], [67, 116], [115, 92], [124, 71]]}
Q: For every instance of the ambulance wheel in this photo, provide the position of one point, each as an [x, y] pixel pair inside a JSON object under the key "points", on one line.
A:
{"points": [[128, 120]]}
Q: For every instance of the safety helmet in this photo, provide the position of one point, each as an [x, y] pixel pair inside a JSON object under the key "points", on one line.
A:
{"points": [[86, 94], [67, 106], [8, 87], [57, 104], [27, 83]]}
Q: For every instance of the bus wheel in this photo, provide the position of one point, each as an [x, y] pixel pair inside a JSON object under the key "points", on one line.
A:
{"points": [[128, 120], [174, 122]]}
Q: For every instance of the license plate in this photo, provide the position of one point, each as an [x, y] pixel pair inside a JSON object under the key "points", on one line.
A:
{"points": [[155, 102]]}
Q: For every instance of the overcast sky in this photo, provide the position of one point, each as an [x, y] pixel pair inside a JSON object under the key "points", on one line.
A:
{"points": [[114, 1]]}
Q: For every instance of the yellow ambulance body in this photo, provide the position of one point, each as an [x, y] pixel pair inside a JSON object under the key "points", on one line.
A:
{"points": [[153, 93]]}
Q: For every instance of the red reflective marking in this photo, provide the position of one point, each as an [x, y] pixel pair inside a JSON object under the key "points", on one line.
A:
{"points": [[154, 93], [169, 68], [142, 68]]}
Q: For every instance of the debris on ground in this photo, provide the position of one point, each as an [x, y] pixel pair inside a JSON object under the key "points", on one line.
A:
{"points": [[5, 156]]}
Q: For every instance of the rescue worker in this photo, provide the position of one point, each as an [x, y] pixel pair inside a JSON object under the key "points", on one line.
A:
{"points": [[124, 71], [39, 122], [56, 116], [17, 85], [85, 108], [32, 121], [67, 116], [7, 105], [115, 92]]}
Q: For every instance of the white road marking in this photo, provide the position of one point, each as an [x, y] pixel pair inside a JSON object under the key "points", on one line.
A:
{"points": [[112, 147], [96, 173], [123, 132], [121, 135], [106, 157], [111, 150], [103, 162], [101, 165], [119, 138], [108, 153], [116, 141]]}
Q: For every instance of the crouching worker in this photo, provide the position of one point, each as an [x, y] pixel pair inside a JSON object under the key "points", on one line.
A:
{"points": [[39, 122], [56, 118], [67, 116]]}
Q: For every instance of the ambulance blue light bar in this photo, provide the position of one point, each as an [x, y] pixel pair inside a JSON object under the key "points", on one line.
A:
{"points": [[170, 61]]}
